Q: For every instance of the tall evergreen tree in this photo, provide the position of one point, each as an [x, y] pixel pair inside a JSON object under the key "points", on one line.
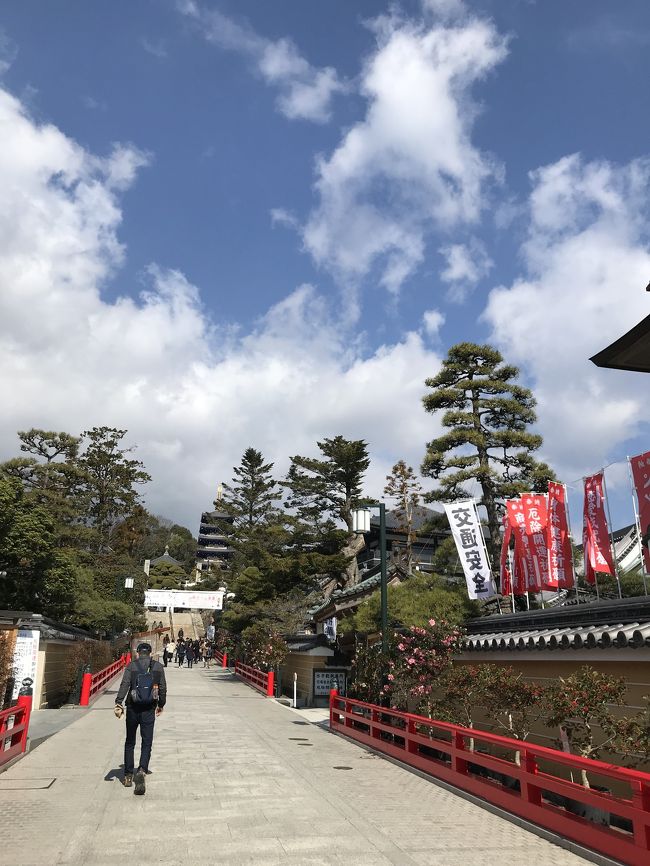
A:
{"points": [[324, 491], [51, 477], [252, 496], [487, 415], [109, 477], [403, 487]]}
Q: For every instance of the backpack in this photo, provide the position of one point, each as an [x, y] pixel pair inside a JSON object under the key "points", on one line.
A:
{"points": [[144, 690]]}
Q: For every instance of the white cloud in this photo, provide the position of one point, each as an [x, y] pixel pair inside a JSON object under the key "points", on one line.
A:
{"points": [[409, 167], [192, 393], [444, 8], [8, 52], [305, 91], [467, 264], [588, 259], [156, 47], [433, 320]]}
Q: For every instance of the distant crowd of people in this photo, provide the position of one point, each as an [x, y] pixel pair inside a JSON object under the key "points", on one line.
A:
{"points": [[184, 650]]}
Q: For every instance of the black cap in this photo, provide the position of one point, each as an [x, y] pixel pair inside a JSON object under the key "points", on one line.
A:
{"points": [[144, 648]]}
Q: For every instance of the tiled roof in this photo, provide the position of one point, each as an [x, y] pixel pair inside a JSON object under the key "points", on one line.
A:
{"points": [[634, 635]]}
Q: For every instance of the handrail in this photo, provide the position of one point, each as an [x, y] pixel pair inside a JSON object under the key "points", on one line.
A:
{"points": [[262, 681], [222, 658], [93, 684], [14, 727], [521, 781]]}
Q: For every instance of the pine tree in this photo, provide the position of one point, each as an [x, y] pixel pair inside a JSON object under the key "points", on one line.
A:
{"points": [[404, 488], [252, 496], [324, 491], [487, 415], [109, 479]]}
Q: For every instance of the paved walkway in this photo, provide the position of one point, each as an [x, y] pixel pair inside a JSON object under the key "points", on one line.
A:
{"points": [[240, 779]]}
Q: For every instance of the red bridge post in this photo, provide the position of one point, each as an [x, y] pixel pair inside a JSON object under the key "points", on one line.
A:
{"points": [[86, 681]]}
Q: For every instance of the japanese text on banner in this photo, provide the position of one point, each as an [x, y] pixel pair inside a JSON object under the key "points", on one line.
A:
{"points": [[559, 541], [466, 530], [597, 531], [640, 466]]}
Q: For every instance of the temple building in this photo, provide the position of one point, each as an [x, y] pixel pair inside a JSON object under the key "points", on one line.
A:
{"points": [[629, 352], [213, 541]]}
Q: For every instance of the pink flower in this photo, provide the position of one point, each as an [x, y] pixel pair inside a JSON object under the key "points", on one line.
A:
{"points": [[432, 622], [401, 647], [391, 677], [411, 661]]}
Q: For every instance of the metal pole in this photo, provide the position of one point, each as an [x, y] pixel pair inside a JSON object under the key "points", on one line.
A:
{"points": [[384, 579], [637, 521], [611, 537], [568, 523], [512, 577], [487, 556], [585, 540]]}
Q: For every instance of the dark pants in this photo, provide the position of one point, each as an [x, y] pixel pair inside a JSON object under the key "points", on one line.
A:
{"points": [[144, 719], [190, 661], [165, 657], [181, 659]]}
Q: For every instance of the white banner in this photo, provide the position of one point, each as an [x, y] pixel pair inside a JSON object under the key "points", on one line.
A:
{"points": [[466, 529], [183, 598], [25, 657]]}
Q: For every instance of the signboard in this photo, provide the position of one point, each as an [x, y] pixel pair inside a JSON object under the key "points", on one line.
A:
{"points": [[186, 599], [466, 529], [147, 565], [329, 628], [25, 657], [326, 680]]}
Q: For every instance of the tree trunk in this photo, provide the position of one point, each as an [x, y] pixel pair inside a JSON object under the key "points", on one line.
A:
{"points": [[486, 485], [353, 547]]}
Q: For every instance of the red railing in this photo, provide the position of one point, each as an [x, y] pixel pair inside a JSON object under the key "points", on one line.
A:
{"points": [[260, 680], [93, 684], [222, 658], [14, 725], [521, 778]]}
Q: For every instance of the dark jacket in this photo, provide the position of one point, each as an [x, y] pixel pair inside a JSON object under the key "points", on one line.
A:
{"points": [[128, 680]]}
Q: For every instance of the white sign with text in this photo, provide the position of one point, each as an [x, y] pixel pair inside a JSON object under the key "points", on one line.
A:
{"points": [[185, 599]]}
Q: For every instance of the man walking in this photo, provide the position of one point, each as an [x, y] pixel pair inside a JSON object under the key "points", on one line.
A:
{"points": [[145, 689]]}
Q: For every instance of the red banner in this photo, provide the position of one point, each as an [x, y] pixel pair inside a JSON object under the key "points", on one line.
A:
{"points": [[559, 540], [590, 575], [524, 570], [641, 474], [536, 517], [505, 577], [598, 548]]}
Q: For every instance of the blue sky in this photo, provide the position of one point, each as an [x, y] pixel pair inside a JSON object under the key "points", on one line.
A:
{"points": [[312, 201]]}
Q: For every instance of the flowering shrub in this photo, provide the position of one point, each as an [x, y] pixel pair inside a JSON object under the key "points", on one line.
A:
{"points": [[263, 650], [406, 676], [578, 704]]}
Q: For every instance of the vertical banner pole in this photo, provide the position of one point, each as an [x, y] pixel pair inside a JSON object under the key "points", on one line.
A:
{"points": [[487, 556], [611, 538], [571, 541], [637, 520], [586, 543], [512, 578]]}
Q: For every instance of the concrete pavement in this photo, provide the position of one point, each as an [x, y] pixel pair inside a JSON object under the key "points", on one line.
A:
{"points": [[240, 779]]}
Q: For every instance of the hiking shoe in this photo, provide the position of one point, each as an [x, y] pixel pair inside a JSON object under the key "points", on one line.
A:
{"points": [[128, 780], [139, 782]]}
